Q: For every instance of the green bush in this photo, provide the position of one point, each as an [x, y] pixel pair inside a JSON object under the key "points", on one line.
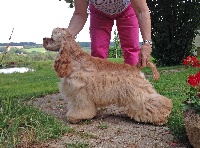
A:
{"points": [[174, 27]]}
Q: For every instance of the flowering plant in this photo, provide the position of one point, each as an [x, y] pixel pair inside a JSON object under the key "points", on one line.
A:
{"points": [[193, 100]]}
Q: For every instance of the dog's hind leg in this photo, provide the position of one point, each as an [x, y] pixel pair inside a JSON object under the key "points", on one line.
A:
{"points": [[80, 108]]}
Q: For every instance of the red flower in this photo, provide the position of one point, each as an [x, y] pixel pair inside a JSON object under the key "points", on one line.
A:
{"points": [[193, 100], [192, 61], [195, 62], [185, 62], [198, 76], [192, 80]]}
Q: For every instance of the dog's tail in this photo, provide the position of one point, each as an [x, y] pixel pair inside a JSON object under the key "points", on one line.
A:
{"points": [[156, 74]]}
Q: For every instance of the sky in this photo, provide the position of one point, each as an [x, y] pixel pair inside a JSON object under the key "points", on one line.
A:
{"points": [[33, 20]]}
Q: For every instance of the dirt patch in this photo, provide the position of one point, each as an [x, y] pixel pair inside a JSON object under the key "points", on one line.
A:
{"points": [[110, 128]]}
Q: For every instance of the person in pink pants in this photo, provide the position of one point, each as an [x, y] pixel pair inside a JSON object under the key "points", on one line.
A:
{"points": [[128, 29], [130, 15]]}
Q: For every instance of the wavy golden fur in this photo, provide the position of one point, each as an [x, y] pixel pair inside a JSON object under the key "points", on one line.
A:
{"points": [[88, 83]]}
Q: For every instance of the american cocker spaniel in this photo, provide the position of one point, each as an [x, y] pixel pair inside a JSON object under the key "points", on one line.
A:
{"points": [[88, 83]]}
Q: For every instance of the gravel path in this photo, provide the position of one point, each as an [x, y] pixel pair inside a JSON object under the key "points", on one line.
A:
{"points": [[111, 128]]}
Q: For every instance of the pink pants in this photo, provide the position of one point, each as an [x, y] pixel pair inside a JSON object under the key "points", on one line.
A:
{"points": [[128, 30]]}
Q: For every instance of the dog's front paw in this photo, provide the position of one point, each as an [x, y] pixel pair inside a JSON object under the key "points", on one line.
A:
{"points": [[72, 120]]}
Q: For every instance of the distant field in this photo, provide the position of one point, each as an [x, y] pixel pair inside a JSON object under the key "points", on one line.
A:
{"points": [[87, 49], [35, 50]]}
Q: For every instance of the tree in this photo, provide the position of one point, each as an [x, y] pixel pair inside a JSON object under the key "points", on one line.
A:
{"points": [[115, 51], [71, 3], [174, 27]]}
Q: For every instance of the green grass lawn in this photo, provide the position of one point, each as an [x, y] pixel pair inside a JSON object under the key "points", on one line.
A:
{"points": [[16, 116]]}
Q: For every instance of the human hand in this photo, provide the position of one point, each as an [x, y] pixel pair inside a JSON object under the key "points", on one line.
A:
{"points": [[144, 56]]}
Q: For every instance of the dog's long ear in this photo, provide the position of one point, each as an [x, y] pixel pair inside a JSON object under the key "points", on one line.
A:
{"points": [[67, 34], [62, 64]]}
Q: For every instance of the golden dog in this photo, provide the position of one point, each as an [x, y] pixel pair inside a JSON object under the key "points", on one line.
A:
{"points": [[88, 83]]}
